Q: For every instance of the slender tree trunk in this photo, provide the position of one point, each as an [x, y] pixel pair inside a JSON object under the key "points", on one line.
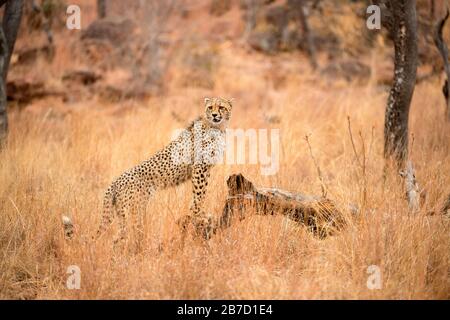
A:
{"points": [[8, 34], [443, 50], [252, 8], [432, 9], [101, 9], [404, 33], [11, 24], [308, 35], [3, 110]]}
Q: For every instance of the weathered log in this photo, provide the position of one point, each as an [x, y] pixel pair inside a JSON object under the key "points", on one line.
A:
{"points": [[317, 213]]}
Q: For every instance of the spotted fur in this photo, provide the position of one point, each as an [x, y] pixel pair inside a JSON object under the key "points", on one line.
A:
{"points": [[189, 157]]}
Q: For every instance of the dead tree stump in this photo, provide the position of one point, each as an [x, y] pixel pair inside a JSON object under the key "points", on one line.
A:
{"points": [[318, 214]]}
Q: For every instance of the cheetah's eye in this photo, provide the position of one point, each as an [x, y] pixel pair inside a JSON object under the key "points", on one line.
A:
{"points": [[222, 109]]}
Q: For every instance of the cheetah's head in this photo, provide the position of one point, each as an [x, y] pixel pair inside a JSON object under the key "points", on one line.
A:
{"points": [[218, 110]]}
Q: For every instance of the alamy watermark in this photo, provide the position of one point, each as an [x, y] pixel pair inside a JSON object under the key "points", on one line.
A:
{"points": [[73, 21], [214, 147], [74, 279], [374, 279], [374, 20]]}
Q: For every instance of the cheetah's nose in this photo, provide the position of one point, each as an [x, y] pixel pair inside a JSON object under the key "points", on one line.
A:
{"points": [[216, 117]]}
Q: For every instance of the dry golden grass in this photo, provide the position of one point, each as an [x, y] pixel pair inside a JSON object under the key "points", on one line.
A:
{"points": [[60, 163], [60, 159]]}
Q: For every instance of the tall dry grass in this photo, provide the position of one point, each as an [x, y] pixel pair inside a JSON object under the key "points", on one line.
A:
{"points": [[60, 159]]}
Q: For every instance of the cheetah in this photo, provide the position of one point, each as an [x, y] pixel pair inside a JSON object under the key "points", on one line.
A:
{"points": [[189, 157]]}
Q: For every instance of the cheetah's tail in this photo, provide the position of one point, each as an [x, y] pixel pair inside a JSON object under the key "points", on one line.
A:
{"points": [[109, 202]]}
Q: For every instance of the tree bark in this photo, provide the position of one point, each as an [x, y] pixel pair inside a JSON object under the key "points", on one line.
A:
{"points": [[101, 9], [3, 110], [8, 35], [308, 35], [432, 9], [443, 50], [404, 33], [11, 24], [317, 213]]}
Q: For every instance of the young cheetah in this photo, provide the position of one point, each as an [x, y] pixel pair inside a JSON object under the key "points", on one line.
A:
{"points": [[190, 156]]}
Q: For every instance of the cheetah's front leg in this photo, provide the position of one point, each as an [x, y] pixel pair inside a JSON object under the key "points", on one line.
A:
{"points": [[201, 222], [200, 175]]}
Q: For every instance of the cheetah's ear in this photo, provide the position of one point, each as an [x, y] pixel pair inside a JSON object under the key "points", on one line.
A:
{"points": [[230, 101], [207, 101]]}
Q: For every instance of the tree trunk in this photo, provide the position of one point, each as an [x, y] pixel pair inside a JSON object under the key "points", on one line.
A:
{"points": [[101, 9], [11, 24], [404, 33], [251, 12], [432, 9], [8, 35], [3, 110], [443, 50], [308, 35]]}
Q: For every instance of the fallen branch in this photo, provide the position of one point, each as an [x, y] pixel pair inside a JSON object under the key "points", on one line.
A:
{"points": [[317, 213]]}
